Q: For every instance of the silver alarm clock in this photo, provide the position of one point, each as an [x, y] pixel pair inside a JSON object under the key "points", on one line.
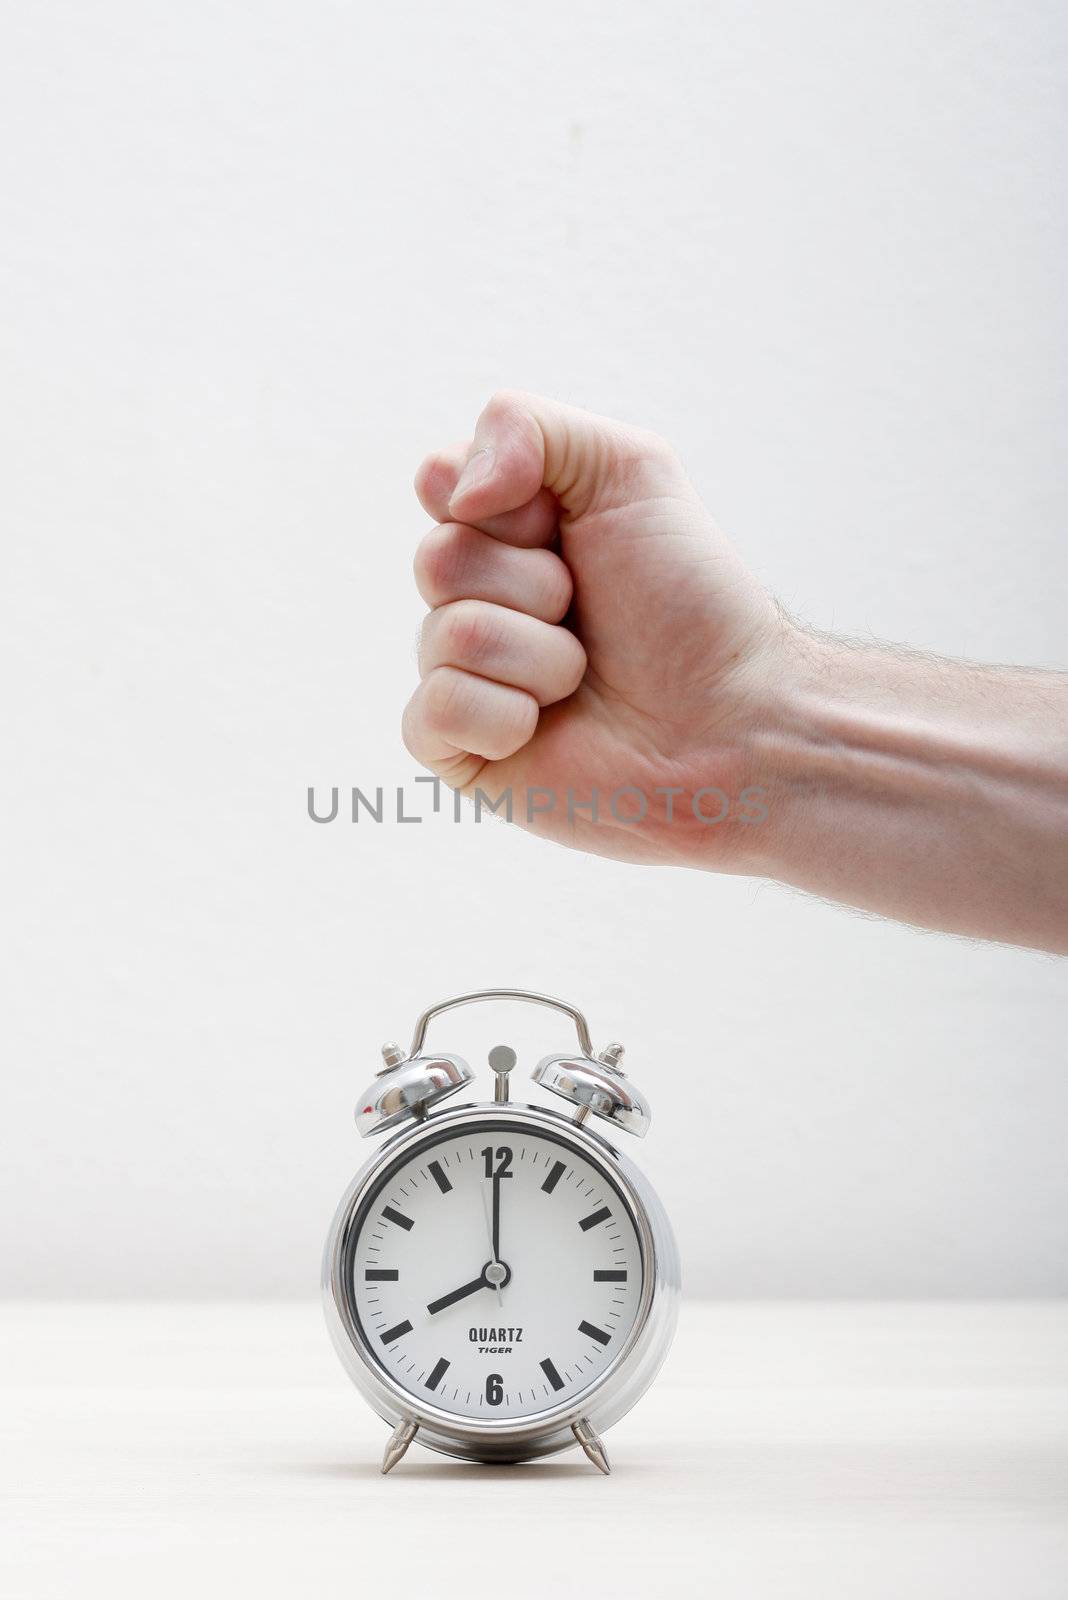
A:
{"points": [[498, 1278]]}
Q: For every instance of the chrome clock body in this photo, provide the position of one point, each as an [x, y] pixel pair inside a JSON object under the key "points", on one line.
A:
{"points": [[635, 1305]]}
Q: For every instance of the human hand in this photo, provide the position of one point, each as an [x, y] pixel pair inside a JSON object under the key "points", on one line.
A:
{"points": [[591, 631]]}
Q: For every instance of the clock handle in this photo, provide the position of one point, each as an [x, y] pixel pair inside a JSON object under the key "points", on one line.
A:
{"points": [[581, 1025]]}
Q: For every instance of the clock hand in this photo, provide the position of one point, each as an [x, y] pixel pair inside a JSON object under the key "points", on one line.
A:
{"points": [[489, 1230], [459, 1294], [497, 1217]]}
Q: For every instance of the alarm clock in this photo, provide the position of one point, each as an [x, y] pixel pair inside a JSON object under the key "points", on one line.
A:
{"points": [[499, 1280]]}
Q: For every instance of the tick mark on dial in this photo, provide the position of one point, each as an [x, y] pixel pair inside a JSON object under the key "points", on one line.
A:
{"points": [[594, 1333], [440, 1369], [395, 1333], [556, 1172], [438, 1174], [551, 1373], [594, 1218], [602, 1275], [398, 1217], [381, 1275]]}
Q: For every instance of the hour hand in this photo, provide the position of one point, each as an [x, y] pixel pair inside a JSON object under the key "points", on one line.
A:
{"points": [[458, 1294]]}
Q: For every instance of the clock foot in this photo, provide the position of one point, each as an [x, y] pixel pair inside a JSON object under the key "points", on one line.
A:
{"points": [[593, 1445], [399, 1440]]}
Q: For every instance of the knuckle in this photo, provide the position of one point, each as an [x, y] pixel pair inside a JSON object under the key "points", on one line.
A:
{"points": [[501, 402], [466, 631], [428, 477], [505, 407], [441, 561], [442, 701], [448, 707], [423, 472], [412, 720]]}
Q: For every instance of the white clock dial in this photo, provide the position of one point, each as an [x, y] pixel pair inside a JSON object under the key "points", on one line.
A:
{"points": [[496, 1272]]}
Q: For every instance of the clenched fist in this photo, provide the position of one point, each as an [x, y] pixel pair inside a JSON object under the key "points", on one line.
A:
{"points": [[597, 657], [591, 632]]}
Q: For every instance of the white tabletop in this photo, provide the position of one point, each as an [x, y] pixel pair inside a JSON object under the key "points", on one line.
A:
{"points": [[787, 1450]]}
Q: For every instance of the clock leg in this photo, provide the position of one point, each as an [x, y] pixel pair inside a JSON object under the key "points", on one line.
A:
{"points": [[593, 1445], [399, 1440]]}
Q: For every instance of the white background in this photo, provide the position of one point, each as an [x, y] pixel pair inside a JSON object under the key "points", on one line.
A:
{"points": [[257, 259]]}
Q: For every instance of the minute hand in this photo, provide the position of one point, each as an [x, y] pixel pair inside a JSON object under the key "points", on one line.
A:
{"points": [[458, 1294], [497, 1217]]}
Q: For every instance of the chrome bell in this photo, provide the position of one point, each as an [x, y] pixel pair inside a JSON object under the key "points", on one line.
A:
{"points": [[597, 1087], [407, 1087]]}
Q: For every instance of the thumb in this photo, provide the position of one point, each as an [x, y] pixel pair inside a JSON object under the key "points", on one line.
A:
{"points": [[523, 442]]}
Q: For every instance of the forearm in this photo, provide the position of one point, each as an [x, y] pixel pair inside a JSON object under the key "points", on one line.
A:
{"points": [[930, 791]]}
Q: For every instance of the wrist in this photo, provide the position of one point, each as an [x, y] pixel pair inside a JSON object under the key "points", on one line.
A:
{"points": [[740, 777], [816, 736], [794, 748]]}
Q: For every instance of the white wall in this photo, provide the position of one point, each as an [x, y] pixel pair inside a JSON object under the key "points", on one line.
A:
{"points": [[257, 259]]}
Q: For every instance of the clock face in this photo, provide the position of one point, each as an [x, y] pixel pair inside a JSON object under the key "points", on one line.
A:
{"points": [[495, 1272]]}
